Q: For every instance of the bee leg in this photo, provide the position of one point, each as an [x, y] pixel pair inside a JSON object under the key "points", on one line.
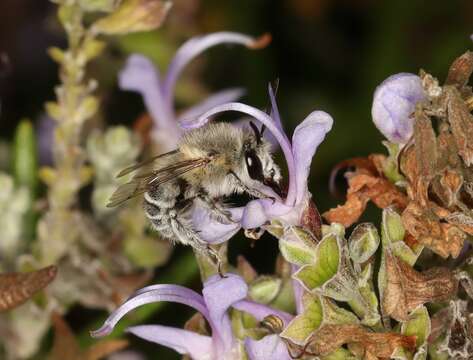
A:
{"points": [[252, 192], [214, 257], [222, 215], [188, 236]]}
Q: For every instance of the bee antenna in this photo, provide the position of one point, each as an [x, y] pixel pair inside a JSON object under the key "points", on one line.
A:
{"points": [[256, 131], [274, 85]]}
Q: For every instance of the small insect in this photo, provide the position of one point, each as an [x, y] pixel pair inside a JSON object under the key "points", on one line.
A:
{"points": [[210, 163]]}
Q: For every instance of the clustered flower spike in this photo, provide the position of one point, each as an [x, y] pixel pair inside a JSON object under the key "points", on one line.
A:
{"points": [[393, 103], [142, 76], [218, 295]]}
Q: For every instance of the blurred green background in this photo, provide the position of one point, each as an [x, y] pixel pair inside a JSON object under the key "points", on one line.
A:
{"points": [[328, 55]]}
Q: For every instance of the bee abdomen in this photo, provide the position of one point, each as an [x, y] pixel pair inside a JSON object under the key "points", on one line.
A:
{"points": [[159, 207]]}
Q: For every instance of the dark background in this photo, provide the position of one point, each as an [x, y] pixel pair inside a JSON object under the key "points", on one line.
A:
{"points": [[328, 55]]}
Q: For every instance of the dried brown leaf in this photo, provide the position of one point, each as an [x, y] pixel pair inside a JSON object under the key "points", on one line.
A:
{"points": [[197, 324], [363, 187], [424, 224], [104, 348], [407, 288], [16, 288], [460, 70], [123, 286], [245, 269], [311, 220], [461, 123], [375, 345], [65, 345]]}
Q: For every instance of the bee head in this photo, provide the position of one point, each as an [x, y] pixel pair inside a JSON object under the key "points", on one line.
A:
{"points": [[259, 163]]}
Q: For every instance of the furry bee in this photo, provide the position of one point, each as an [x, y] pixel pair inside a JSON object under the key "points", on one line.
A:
{"points": [[210, 163]]}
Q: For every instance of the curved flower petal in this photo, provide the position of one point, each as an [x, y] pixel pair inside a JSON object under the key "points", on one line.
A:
{"points": [[393, 103], [219, 294], [254, 215], [274, 109], [219, 98], [307, 137], [258, 212], [193, 47], [183, 341], [140, 75], [260, 311], [213, 231], [173, 293], [268, 348], [264, 119], [243, 123]]}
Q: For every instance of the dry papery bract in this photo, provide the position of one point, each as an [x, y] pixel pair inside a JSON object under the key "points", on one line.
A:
{"points": [[452, 330], [363, 342], [407, 288], [66, 346], [435, 193], [16, 288]]}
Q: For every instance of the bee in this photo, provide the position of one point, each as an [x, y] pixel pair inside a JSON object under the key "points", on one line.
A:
{"points": [[210, 163]]}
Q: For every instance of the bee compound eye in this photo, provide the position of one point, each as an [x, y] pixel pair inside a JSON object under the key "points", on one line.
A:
{"points": [[254, 166]]}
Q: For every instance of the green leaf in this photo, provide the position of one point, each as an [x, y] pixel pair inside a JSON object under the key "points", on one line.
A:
{"points": [[133, 16], [54, 110], [302, 326], [56, 54], [336, 315], [25, 170], [364, 241], [339, 354], [87, 108], [325, 267], [392, 228], [98, 5], [298, 246], [390, 166], [393, 237], [418, 325], [264, 289], [91, 49]]}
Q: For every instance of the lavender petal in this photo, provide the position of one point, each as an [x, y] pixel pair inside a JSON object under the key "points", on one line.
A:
{"points": [[307, 136], [260, 311], [140, 75], [219, 98], [212, 231], [219, 295], [172, 293], [393, 102], [268, 348], [183, 341], [195, 46]]}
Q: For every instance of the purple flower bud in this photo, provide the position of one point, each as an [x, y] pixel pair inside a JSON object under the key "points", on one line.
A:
{"points": [[393, 103]]}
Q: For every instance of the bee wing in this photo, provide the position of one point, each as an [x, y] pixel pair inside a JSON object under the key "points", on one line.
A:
{"points": [[145, 179], [145, 163]]}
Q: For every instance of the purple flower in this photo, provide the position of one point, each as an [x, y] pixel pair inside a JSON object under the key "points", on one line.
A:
{"points": [[219, 294], [141, 75], [306, 138], [393, 104]]}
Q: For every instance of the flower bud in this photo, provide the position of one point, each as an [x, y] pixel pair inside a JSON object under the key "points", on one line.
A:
{"points": [[393, 104]]}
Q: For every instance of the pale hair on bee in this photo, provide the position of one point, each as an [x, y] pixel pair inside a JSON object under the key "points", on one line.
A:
{"points": [[210, 163]]}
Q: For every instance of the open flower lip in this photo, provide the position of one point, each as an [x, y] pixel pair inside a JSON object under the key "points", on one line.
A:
{"points": [[218, 295], [141, 75], [308, 135]]}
